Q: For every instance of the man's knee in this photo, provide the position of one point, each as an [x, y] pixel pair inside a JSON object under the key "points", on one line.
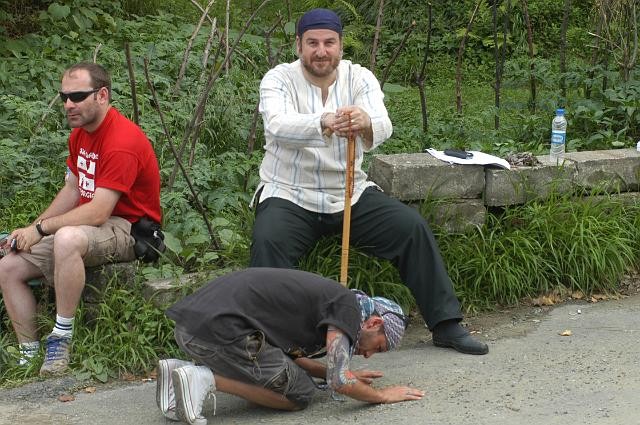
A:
{"points": [[296, 387], [5, 271], [269, 230], [273, 248], [301, 403], [69, 240], [14, 269]]}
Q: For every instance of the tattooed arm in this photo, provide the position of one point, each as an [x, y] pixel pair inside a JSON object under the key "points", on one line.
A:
{"points": [[342, 380]]}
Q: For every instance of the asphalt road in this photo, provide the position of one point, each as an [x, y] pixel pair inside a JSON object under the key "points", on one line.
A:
{"points": [[532, 375]]}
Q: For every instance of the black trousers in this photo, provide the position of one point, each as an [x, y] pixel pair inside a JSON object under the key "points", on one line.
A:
{"points": [[380, 226]]}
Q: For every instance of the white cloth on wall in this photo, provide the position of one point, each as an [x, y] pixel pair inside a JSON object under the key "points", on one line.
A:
{"points": [[478, 158]]}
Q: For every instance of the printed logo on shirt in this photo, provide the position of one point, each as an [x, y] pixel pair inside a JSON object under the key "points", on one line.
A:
{"points": [[87, 173], [86, 183]]}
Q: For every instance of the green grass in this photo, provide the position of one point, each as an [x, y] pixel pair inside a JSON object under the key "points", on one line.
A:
{"points": [[528, 250], [126, 334]]}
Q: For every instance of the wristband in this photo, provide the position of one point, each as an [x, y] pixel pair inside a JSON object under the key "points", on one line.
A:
{"points": [[39, 229]]}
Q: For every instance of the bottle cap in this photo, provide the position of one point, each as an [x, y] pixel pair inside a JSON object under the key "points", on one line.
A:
{"points": [[560, 111]]}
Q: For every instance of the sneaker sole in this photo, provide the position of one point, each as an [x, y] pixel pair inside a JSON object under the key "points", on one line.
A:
{"points": [[184, 410], [53, 373]]}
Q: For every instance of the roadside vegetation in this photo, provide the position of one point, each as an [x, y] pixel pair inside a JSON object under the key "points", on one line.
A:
{"points": [[490, 78]]}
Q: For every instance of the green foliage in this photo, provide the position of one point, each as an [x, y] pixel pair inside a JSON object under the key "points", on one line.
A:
{"points": [[527, 250], [519, 252], [611, 118], [128, 335]]}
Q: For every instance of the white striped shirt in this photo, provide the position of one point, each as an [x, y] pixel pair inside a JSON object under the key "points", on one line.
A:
{"points": [[300, 164]]}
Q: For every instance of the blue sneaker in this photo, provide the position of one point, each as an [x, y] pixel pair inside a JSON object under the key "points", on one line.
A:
{"points": [[57, 355]]}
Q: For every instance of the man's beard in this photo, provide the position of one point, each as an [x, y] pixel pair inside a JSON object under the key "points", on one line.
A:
{"points": [[323, 72]]}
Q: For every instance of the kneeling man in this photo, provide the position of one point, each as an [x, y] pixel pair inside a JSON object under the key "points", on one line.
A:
{"points": [[254, 332]]}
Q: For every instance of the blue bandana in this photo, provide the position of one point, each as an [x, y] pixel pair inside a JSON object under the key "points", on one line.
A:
{"points": [[319, 19], [393, 324]]}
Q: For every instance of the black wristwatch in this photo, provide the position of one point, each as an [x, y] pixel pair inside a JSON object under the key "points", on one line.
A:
{"points": [[39, 229]]}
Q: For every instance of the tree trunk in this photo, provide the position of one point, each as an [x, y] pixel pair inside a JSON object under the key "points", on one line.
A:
{"points": [[532, 65], [132, 83], [563, 50], [496, 55], [631, 52], [227, 16], [396, 53], [459, 63], [376, 37], [595, 55], [423, 71]]}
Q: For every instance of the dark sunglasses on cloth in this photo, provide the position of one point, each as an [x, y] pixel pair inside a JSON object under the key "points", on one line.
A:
{"points": [[77, 96], [405, 319]]}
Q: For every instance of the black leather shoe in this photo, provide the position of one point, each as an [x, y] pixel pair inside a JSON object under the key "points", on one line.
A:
{"points": [[462, 343]]}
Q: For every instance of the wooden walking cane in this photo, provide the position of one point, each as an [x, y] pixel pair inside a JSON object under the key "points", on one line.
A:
{"points": [[348, 192]]}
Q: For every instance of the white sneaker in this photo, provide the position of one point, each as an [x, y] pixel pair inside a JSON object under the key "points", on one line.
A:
{"points": [[165, 396], [192, 385], [26, 353]]}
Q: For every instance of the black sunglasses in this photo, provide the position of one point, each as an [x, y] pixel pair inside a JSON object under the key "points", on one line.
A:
{"points": [[405, 319], [76, 96]]}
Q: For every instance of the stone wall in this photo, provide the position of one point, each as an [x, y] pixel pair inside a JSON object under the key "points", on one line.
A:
{"points": [[161, 292], [464, 192], [460, 196]]}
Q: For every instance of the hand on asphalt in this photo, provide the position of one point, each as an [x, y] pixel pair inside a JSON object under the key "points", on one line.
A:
{"points": [[367, 376], [400, 393]]}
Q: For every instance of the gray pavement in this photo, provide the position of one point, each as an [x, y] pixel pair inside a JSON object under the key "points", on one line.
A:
{"points": [[532, 375]]}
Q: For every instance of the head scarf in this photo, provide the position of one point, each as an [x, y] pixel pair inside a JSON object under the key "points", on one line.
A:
{"points": [[319, 19], [393, 324]]}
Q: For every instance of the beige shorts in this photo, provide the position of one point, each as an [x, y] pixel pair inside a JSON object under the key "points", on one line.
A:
{"points": [[109, 243]]}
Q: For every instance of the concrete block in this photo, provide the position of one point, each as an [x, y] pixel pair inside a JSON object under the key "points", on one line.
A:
{"points": [[521, 184], [164, 292], [410, 177], [607, 171], [97, 278], [455, 215], [629, 199]]}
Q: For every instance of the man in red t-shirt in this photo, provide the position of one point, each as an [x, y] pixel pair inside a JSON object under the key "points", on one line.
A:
{"points": [[112, 181]]}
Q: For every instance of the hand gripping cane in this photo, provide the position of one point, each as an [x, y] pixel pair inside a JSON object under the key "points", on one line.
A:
{"points": [[348, 192]]}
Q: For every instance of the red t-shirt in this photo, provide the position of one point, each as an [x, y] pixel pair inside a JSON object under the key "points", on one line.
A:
{"points": [[117, 156]]}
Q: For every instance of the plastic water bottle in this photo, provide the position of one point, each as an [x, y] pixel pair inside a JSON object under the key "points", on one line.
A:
{"points": [[558, 137]]}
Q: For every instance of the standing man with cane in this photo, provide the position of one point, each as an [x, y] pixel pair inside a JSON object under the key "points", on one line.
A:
{"points": [[308, 108]]}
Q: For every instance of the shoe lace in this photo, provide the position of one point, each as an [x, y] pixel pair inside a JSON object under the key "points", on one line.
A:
{"points": [[56, 348], [210, 394], [215, 401]]}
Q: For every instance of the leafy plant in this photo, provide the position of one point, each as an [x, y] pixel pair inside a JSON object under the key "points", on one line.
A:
{"points": [[519, 252], [579, 245], [128, 334]]}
